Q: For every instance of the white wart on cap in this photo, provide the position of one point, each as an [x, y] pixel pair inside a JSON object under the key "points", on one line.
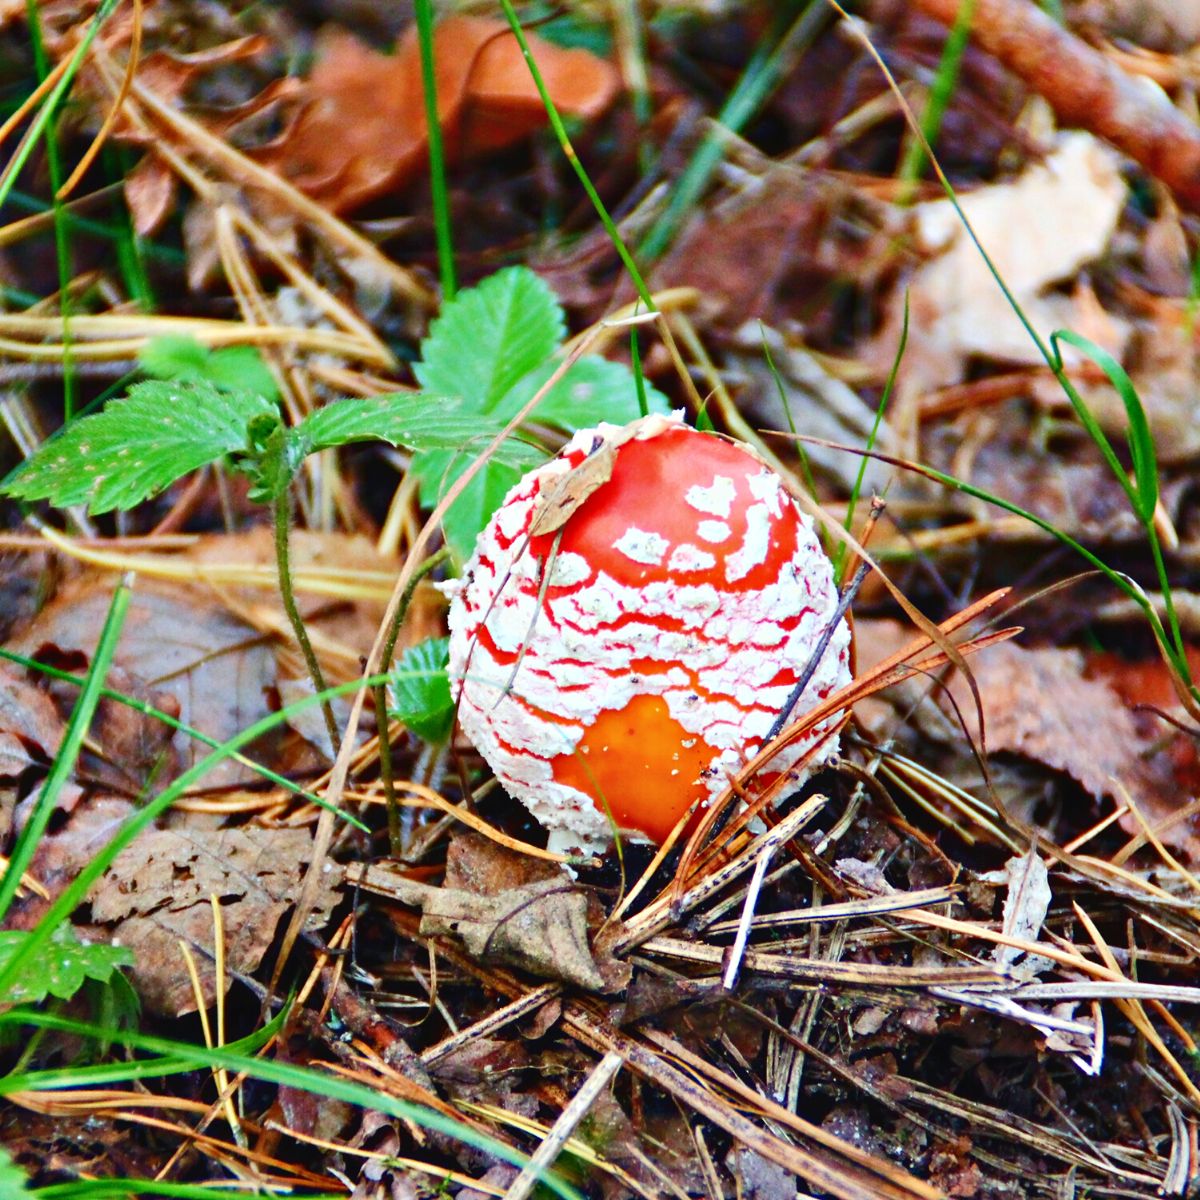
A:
{"points": [[659, 594]]}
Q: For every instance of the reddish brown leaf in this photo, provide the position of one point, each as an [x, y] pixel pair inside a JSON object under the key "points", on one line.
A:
{"points": [[361, 130], [150, 192], [1037, 703]]}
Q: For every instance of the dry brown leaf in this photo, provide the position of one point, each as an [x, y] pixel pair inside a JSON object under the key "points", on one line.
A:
{"points": [[169, 75], [176, 640], [361, 129], [540, 927], [136, 750], [157, 893], [477, 864], [67, 848], [151, 189], [1038, 703], [1041, 704]]}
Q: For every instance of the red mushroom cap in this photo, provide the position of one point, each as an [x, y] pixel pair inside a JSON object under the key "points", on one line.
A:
{"points": [[656, 620]]}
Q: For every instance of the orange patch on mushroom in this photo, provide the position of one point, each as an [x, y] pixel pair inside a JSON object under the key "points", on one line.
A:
{"points": [[640, 763]]}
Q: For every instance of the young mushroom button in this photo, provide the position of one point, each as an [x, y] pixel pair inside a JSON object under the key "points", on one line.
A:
{"points": [[633, 619]]}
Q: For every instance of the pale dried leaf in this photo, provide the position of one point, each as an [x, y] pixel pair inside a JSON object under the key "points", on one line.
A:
{"points": [[539, 927], [1039, 229], [1026, 905]]}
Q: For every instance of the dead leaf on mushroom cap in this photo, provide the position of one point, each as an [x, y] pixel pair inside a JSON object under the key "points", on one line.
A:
{"points": [[361, 129]]}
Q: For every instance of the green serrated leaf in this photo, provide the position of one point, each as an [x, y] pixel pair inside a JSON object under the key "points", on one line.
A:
{"points": [[63, 966], [138, 445], [14, 1182], [173, 356], [437, 470], [489, 337], [232, 368], [413, 419], [592, 390], [421, 690]]}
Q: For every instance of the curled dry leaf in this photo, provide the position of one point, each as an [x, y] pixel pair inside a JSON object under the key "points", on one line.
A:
{"points": [[360, 131], [1039, 703], [30, 727], [151, 188], [540, 927]]}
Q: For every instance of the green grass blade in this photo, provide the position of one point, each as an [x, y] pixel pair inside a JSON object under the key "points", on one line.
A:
{"points": [[129, 245], [1123, 582], [9, 175], [168, 256], [156, 714], [285, 1075], [806, 470], [944, 83], [839, 562], [76, 891], [1171, 646], [1143, 492], [65, 759], [560, 131], [62, 237], [437, 155], [93, 1075]]}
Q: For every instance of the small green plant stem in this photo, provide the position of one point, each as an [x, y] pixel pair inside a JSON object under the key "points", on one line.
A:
{"points": [[560, 132], [639, 378], [437, 155], [282, 510], [62, 239], [939, 97], [379, 692]]}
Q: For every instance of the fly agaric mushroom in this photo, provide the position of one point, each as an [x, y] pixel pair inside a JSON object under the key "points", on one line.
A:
{"points": [[630, 625]]}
